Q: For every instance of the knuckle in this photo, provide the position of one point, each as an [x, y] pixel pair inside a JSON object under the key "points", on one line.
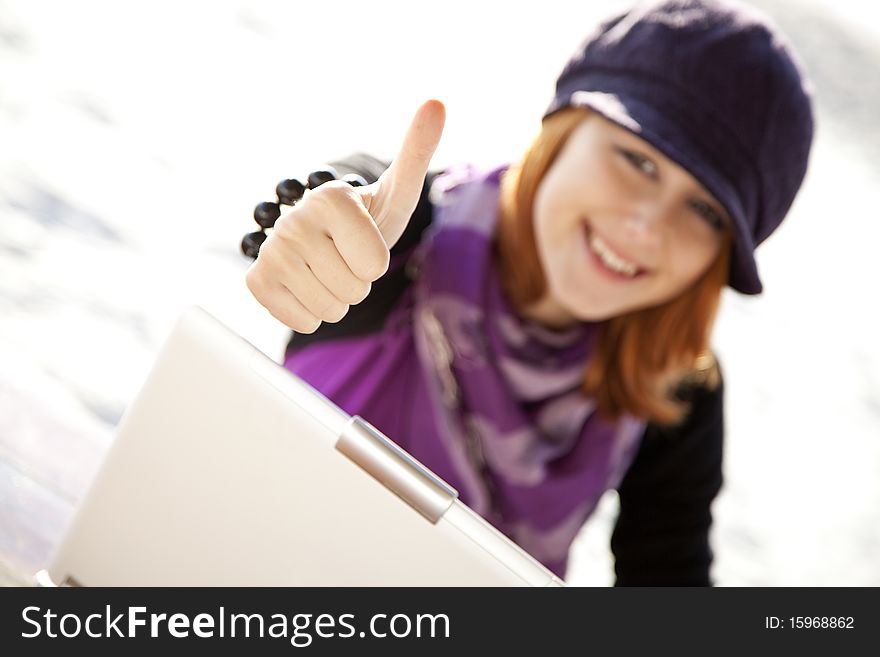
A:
{"points": [[333, 311], [339, 311], [285, 318], [290, 226], [308, 326], [296, 320], [358, 292], [254, 280], [375, 267], [334, 190], [331, 196]]}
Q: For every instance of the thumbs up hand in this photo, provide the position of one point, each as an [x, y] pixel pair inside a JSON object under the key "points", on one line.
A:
{"points": [[324, 254]]}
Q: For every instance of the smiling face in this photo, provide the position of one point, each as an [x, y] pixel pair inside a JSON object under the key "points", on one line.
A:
{"points": [[619, 227]]}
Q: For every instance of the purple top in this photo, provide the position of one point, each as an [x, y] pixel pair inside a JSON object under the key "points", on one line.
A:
{"points": [[487, 400]]}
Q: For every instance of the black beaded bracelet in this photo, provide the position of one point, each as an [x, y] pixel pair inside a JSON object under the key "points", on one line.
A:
{"points": [[289, 192]]}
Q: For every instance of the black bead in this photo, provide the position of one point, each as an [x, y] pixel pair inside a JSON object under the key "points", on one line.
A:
{"points": [[251, 243], [267, 213], [320, 176], [354, 180], [290, 191]]}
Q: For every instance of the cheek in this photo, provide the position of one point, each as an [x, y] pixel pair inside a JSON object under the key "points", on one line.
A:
{"points": [[541, 211], [561, 203], [549, 220], [690, 256]]}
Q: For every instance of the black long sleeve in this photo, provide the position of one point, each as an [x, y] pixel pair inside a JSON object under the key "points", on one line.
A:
{"points": [[661, 537]]}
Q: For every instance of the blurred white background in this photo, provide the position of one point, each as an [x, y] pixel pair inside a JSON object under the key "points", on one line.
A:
{"points": [[135, 139]]}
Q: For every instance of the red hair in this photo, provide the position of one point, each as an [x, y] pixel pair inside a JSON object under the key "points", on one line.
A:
{"points": [[639, 358]]}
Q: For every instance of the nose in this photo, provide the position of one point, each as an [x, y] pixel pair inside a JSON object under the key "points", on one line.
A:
{"points": [[645, 221]]}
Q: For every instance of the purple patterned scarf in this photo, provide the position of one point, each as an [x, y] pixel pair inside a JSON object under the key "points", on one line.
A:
{"points": [[485, 399]]}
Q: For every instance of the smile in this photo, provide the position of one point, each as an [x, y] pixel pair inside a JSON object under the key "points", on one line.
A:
{"points": [[611, 260]]}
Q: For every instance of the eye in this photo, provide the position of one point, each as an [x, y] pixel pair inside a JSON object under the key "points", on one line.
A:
{"points": [[709, 213], [639, 162]]}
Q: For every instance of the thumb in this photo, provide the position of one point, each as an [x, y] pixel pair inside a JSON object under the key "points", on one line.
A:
{"points": [[396, 193]]}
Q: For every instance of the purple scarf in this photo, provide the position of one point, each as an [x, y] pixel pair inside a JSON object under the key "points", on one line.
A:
{"points": [[485, 399]]}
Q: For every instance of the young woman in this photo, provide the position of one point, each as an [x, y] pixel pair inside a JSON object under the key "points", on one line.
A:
{"points": [[539, 333]]}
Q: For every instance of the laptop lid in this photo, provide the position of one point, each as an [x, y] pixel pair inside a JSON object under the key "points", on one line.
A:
{"points": [[227, 469]]}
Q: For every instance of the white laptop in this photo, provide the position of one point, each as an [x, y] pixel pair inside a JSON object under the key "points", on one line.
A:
{"points": [[228, 470]]}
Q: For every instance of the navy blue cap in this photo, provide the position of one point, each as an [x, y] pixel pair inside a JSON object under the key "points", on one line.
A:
{"points": [[715, 87]]}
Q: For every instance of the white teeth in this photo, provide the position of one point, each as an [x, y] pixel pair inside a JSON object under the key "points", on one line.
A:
{"points": [[611, 259]]}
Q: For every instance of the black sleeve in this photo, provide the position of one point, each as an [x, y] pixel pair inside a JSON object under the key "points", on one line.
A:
{"points": [[661, 537], [369, 315]]}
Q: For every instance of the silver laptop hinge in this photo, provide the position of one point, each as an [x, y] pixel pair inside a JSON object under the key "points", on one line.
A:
{"points": [[397, 470]]}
